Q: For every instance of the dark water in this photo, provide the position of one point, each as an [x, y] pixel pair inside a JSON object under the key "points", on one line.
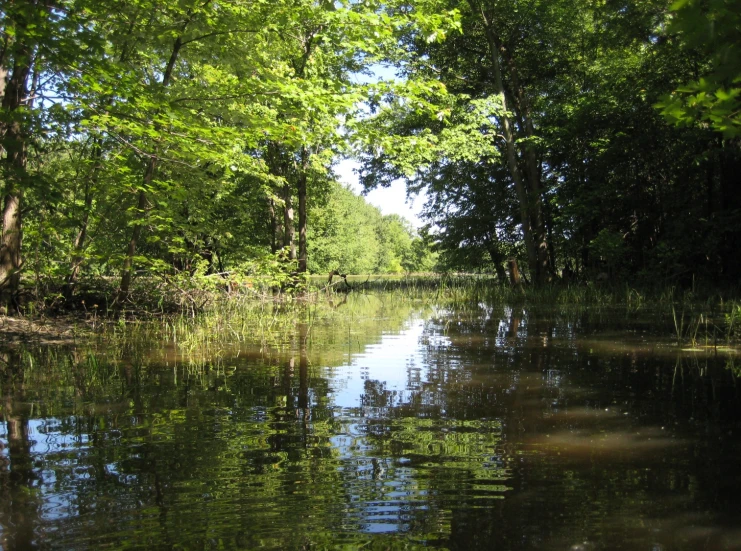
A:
{"points": [[394, 427]]}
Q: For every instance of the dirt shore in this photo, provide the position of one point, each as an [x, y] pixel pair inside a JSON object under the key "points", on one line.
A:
{"points": [[55, 330]]}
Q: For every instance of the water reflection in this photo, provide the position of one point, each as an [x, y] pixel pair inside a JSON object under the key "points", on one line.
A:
{"points": [[395, 426], [17, 476]]}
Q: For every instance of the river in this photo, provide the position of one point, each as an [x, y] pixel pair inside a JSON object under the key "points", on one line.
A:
{"points": [[389, 424]]}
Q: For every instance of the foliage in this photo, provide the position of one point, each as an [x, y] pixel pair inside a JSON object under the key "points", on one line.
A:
{"points": [[712, 28], [349, 235], [581, 82], [165, 136], [179, 140]]}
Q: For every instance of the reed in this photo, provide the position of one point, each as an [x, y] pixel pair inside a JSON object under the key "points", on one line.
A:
{"points": [[257, 315]]}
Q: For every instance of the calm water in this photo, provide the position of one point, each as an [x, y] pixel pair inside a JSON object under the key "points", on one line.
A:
{"points": [[387, 426]]}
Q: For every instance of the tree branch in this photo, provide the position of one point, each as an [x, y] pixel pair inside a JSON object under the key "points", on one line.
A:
{"points": [[218, 33]]}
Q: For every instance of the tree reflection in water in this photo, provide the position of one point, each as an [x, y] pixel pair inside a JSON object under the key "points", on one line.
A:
{"points": [[397, 426], [19, 509]]}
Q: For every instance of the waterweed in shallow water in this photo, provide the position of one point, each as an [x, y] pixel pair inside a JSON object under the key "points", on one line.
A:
{"points": [[425, 429], [706, 329]]}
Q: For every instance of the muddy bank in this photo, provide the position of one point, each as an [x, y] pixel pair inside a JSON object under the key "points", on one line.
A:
{"points": [[66, 329]]}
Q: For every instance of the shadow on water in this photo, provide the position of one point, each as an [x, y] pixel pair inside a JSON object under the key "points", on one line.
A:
{"points": [[376, 424]]}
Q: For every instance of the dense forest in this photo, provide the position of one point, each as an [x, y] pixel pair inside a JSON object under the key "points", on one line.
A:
{"points": [[158, 137]]}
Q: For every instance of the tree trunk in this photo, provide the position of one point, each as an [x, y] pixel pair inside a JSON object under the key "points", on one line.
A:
{"points": [[514, 273], [501, 273], [123, 290], [730, 176], [521, 106], [551, 259], [527, 187], [273, 226], [79, 245], [288, 227], [300, 71], [3, 77], [497, 258], [14, 142], [128, 265], [301, 189], [730, 192], [10, 249], [509, 141]]}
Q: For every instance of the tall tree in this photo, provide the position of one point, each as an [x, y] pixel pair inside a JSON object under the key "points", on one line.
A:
{"points": [[19, 53], [516, 105]]}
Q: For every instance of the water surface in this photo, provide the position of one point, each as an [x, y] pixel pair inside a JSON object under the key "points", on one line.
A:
{"points": [[388, 425]]}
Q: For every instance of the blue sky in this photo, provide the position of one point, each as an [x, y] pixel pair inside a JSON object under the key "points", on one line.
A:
{"points": [[391, 200]]}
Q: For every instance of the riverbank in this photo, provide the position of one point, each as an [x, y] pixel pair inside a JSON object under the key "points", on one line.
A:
{"points": [[60, 329], [696, 314]]}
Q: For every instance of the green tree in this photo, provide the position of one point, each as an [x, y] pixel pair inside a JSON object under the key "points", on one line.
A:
{"points": [[573, 120], [713, 29], [39, 40], [343, 235]]}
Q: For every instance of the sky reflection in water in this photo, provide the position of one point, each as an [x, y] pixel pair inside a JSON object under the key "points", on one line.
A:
{"points": [[471, 429]]}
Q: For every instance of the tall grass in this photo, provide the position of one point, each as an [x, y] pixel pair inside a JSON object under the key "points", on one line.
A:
{"points": [[211, 321], [471, 288], [198, 344], [270, 317]]}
